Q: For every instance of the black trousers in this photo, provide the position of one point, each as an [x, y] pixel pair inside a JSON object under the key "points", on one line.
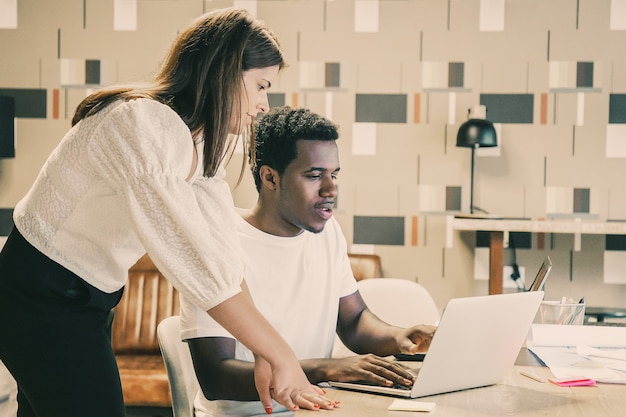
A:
{"points": [[55, 337]]}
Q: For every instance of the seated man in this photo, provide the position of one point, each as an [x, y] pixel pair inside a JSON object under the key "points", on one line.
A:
{"points": [[299, 275]]}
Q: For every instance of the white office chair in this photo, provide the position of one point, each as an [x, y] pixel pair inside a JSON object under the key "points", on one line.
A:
{"points": [[180, 373], [399, 302]]}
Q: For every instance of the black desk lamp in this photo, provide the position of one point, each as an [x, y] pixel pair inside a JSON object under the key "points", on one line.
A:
{"points": [[476, 133]]}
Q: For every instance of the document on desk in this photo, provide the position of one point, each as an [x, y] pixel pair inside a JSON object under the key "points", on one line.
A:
{"points": [[595, 352], [564, 335]]}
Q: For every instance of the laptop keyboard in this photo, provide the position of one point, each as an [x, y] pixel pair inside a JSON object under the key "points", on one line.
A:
{"points": [[394, 386]]}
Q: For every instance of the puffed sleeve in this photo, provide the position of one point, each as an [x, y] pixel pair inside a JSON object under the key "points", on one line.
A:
{"points": [[144, 150]]}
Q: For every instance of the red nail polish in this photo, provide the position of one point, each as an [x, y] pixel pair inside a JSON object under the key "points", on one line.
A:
{"points": [[268, 410]]}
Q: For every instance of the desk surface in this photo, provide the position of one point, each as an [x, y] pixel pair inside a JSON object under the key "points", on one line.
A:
{"points": [[517, 395]]}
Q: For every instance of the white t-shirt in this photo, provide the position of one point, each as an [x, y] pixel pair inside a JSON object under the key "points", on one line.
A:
{"points": [[115, 188], [296, 283]]}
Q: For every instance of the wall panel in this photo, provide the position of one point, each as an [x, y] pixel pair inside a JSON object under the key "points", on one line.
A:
{"points": [[553, 134]]}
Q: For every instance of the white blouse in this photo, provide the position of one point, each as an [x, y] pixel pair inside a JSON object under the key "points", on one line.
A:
{"points": [[115, 188]]}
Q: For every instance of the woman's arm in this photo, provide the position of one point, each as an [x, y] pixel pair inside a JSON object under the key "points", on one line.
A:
{"points": [[281, 377], [222, 377]]}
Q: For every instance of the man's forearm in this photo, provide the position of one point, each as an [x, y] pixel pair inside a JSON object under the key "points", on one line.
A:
{"points": [[220, 375], [237, 379], [369, 334], [233, 381], [317, 370]]}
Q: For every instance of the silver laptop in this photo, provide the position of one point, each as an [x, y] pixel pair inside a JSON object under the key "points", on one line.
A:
{"points": [[476, 344], [542, 275]]}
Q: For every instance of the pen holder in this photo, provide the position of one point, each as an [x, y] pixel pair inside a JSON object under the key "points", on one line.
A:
{"points": [[555, 312]]}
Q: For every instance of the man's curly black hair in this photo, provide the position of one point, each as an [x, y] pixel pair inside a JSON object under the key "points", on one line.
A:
{"points": [[277, 133]]}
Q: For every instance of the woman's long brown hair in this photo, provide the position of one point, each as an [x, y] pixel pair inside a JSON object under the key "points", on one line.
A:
{"points": [[202, 77]]}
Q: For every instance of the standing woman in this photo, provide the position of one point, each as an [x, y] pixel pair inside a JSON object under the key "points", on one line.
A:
{"points": [[141, 171]]}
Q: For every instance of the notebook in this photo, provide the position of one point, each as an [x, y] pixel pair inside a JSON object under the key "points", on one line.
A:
{"points": [[475, 345]]}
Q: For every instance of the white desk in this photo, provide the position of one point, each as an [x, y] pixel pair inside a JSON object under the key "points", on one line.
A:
{"points": [[517, 395], [498, 228]]}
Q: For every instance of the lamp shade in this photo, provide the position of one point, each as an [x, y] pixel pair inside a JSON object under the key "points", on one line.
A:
{"points": [[476, 133]]}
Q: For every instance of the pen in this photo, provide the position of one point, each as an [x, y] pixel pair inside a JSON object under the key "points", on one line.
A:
{"points": [[532, 376]]}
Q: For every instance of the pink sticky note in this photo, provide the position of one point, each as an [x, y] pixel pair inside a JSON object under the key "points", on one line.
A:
{"points": [[573, 381]]}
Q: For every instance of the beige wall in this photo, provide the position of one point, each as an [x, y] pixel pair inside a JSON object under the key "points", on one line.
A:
{"points": [[408, 155]]}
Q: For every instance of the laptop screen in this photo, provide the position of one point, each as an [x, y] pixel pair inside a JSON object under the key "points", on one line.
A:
{"points": [[542, 275]]}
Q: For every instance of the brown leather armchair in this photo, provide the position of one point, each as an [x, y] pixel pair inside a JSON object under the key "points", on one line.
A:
{"points": [[148, 298], [365, 266]]}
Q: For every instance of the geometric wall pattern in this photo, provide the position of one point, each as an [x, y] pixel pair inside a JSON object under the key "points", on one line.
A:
{"points": [[7, 127], [378, 230], [617, 108], [509, 108], [6, 221], [81, 72], [398, 79], [381, 108], [29, 102]]}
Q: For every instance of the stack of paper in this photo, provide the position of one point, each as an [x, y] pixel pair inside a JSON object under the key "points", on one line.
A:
{"points": [[597, 352], [563, 335]]}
